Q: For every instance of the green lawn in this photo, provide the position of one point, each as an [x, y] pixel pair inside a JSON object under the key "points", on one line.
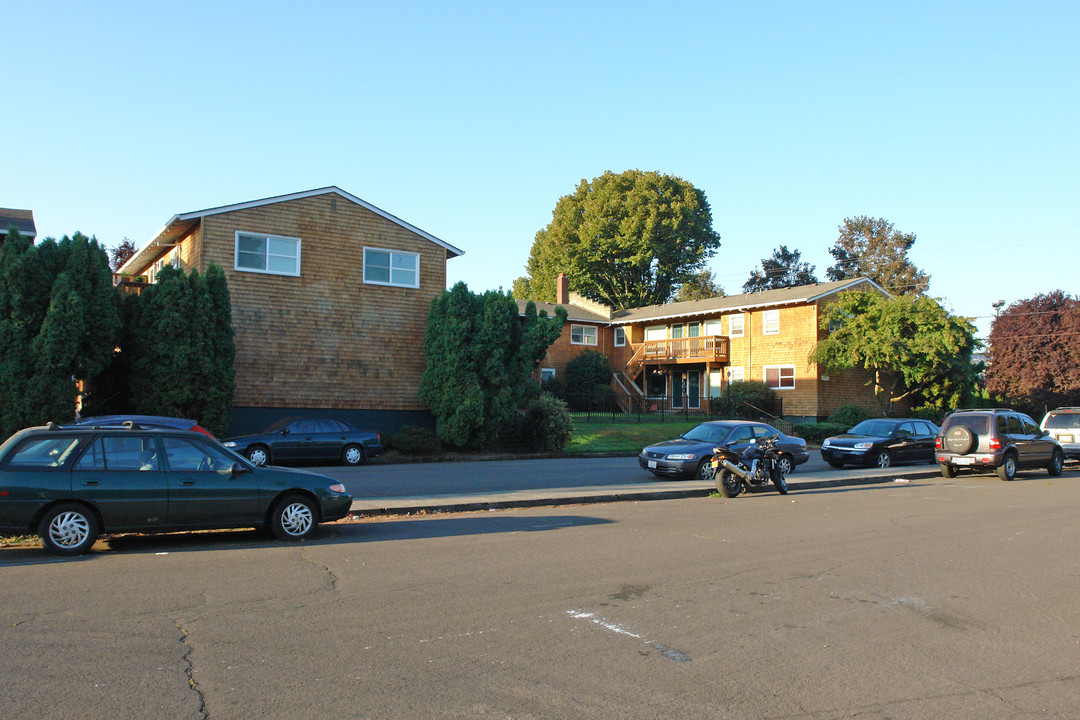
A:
{"points": [[624, 436]]}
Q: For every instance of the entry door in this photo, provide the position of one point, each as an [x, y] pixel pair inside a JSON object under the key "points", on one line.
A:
{"points": [[693, 389], [677, 390]]}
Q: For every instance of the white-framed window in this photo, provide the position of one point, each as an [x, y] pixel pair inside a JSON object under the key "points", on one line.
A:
{"points": [[770, 323], [582, 335], [712, 327], [272, 254], [620, 336], [391, 267], [736, 373], [547, 374], [779, 377], [736, 325]]}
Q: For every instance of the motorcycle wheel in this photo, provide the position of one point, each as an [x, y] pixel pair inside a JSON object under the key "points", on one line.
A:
{"points": [[779, 480], [729, 484]]}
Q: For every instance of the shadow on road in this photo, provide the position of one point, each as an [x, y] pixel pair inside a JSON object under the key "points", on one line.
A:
{"points": [[330, 534]]}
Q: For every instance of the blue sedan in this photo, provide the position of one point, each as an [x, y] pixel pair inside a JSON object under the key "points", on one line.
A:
{"points": [[308, 440]]}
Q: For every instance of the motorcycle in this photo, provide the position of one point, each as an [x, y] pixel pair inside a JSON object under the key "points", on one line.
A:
{"points": [[756, 467]]}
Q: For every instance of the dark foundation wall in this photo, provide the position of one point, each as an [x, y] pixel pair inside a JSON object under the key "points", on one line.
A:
{"points": [[249, 420]]}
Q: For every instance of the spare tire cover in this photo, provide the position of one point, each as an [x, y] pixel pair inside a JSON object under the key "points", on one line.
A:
{"points": [[959, 439]]}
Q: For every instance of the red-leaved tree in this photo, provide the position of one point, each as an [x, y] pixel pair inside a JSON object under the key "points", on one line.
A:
{"points": [[1035, 353]]}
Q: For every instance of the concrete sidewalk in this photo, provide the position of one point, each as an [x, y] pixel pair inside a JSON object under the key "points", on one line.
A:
{"points": [[635, 492]]}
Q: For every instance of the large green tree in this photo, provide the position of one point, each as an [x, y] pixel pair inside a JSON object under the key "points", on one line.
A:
{"points": [[480, 353], [626, 239], [914, 347], [59, 320], [1035, 352], [178, 352], [874, 248], [701, 286], [783, 270]]}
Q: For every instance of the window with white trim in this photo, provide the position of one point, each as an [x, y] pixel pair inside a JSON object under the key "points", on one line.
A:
{"points": [[620, 336], [736, 325], [770, 323], [272, 254], [779, 377], [391, 267], [547, 374], [736, 373], [712, 327], [582, 335]]}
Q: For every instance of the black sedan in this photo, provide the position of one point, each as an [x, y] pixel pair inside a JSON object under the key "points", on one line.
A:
{"points": [[308, 440], [689, 455], [882, 442]]}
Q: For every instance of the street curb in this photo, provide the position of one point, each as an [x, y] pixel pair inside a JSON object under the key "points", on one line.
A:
{"points": [[530, 499]]}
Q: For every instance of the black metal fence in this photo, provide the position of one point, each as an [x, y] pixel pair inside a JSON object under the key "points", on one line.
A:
{"points": [[612, 407]]}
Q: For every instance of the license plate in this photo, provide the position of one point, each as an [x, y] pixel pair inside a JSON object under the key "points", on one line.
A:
{"points": [[652, 463], [1065, 438], [964, 461], [715, 463]]}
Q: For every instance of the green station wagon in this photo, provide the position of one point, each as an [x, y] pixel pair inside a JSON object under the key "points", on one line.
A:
{"points": [[70, 484]]}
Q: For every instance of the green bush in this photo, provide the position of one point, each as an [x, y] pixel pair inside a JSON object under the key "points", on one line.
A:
{"points": [[586, 371], [751, 392], [549, 423], [816, 432], [415, 440], [849, 415]]}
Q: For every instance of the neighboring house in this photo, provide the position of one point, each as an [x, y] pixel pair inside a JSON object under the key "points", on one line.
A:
{"points": [[330, 298], [678, 355], [23, 220]]}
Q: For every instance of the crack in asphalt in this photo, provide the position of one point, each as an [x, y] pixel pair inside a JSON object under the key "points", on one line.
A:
{"points": [[189, 670], [329, 573]]}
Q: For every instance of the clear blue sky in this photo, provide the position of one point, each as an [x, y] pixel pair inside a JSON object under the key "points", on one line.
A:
{"points": [[957, 121]]}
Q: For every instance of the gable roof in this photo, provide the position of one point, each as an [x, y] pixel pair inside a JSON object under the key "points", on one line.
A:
{"points": [[573, 312], [711, 306], [23, 220], [746, 301], [180, 225]]}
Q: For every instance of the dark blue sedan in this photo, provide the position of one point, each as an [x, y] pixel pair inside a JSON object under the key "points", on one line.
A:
{"points": [[882, 442], [308, 440]]}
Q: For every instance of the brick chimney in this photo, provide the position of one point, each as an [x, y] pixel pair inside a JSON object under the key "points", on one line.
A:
{"points": [[562, 290]]}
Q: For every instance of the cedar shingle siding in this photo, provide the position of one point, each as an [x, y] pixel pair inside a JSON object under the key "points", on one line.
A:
{"points": [[323, 340]]}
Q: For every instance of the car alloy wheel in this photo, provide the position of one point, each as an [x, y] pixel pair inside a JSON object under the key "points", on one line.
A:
{"points": [[294, 518]]}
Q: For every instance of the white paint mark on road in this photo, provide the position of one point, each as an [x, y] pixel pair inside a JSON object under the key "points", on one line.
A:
{"points": [[669, 653]]}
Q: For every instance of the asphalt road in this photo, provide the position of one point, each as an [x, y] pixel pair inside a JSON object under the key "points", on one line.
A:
{"points": [[933, 598], [504, 476]]}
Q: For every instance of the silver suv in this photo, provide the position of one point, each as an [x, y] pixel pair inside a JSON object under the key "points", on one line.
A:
{"points": [[1063, 425], [1002, 439]]}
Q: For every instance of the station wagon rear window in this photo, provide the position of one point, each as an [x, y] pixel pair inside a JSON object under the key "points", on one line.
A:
{"points": [[39, 452]]}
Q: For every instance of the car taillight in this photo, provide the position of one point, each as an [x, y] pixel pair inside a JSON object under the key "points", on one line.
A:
{"points": [[204, 431], [995, 444]]}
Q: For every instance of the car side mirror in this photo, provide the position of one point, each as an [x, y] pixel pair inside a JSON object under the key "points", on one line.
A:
{"points": [[238, 469], [285, 431]]}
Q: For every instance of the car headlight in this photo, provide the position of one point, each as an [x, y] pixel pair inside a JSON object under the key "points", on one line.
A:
{"points": [[826, 443], [863, 446], [337, 487], [683, 456], [229, 443]]}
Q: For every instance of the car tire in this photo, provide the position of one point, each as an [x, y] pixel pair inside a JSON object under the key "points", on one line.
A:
{"points": [[705, 470], [883, 460], [1057, 463], [1007, 470], [948, 471], [69, 529], [294, 517], [353, 454], [786, 463], [959, 439], [258, 455]]}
